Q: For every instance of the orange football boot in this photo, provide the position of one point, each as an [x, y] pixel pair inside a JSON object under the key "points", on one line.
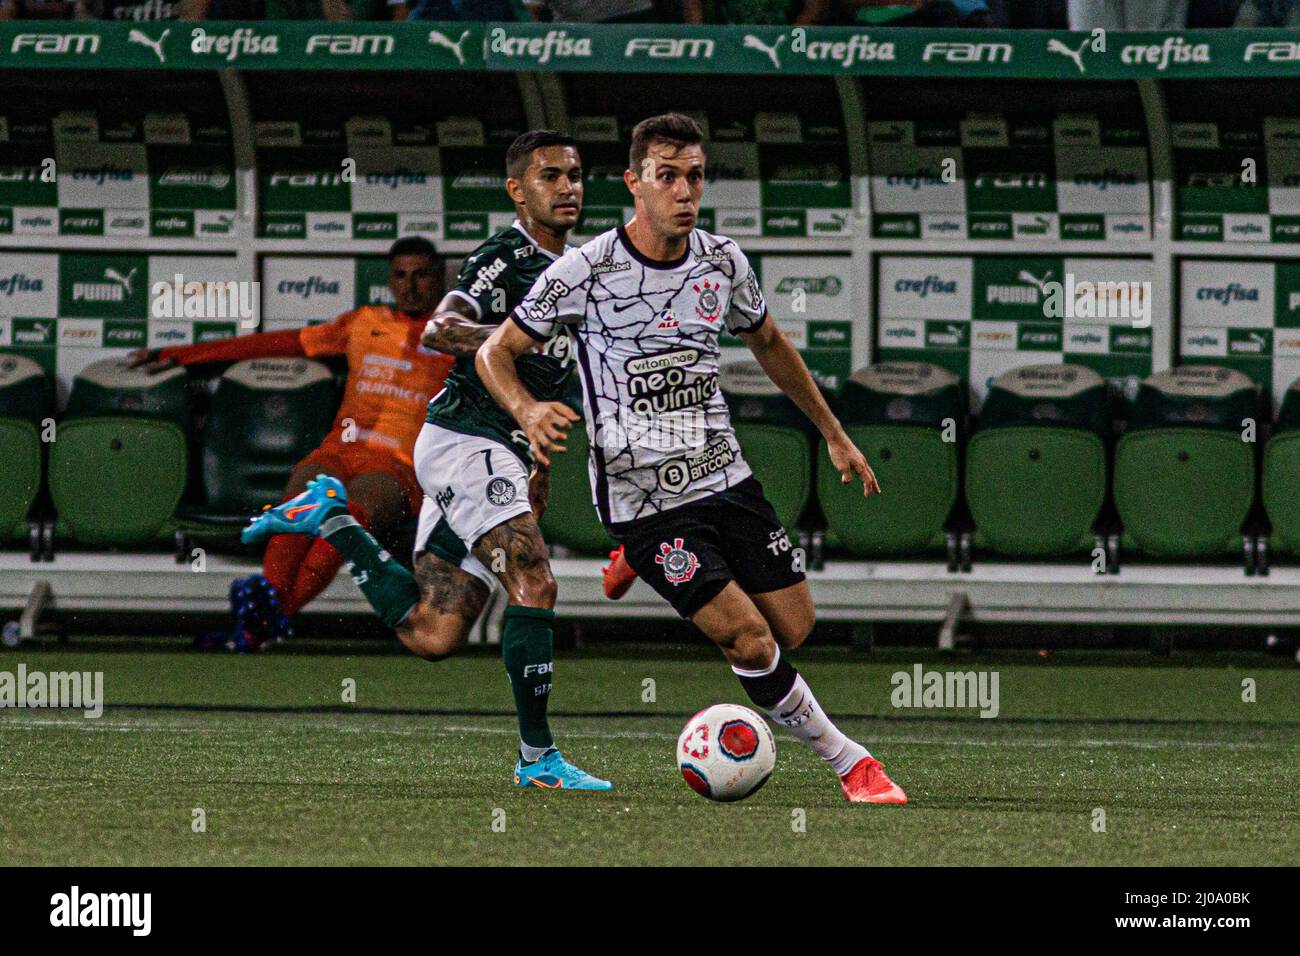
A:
{"points": [[618, 575], [867, 782]]}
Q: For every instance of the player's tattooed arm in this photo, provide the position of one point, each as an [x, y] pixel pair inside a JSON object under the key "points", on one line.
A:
{"points": [[785, 367], [454, 328]]}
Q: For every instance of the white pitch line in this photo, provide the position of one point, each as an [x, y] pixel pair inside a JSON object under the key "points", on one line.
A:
{"points": [[451, 730]]}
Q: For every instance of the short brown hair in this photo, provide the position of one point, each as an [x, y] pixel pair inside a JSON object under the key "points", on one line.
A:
{"points": [[676, 129], [520, 153]]}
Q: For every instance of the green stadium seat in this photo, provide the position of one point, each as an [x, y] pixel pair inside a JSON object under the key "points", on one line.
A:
{"points": [[775, 438], [897, 413], [1184, 478], [1042, 431], [266, 415], [119, 464], [1281, 474], [25, 401]]}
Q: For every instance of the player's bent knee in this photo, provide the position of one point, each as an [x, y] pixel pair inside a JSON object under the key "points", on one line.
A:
{"points": [[536, 589], [432, 636], [748, 643]]}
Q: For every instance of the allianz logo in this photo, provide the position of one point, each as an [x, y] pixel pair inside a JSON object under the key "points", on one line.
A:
{"points": [[306, 288], [115, 288], [914, 181], [1226, 295], [105, 172], [398, 177], [1102, 179], [923, 287], [214, 177], [813, 285], [20, 282]]}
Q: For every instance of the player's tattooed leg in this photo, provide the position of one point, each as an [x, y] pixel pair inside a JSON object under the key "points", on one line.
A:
{"points": [[450, 601], [516, 553]]}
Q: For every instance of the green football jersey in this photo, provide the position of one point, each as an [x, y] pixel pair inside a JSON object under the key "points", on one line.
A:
{"points": [[494, 279]]}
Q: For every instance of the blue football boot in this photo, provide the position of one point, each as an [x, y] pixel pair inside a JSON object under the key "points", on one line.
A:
{"points": [[259, 620], [302, 514], [553, 772]]}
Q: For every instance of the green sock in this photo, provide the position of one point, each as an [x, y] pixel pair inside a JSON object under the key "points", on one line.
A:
{"points": [[389, 587], [526, 650]]}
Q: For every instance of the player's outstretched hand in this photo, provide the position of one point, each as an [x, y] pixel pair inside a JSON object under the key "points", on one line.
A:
{"points": [[149, 358], [849, 461], [547, 425]]}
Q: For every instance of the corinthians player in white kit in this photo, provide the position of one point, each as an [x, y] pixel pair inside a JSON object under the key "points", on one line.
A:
{"points": [[645, 303]]}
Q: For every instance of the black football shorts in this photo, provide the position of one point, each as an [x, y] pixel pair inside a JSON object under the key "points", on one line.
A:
{"points": [[689, 553]]}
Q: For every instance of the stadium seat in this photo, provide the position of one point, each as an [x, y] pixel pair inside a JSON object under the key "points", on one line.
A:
{"points": [[570, 518], [118, 467], [774, 437], [25, 401], [1281, 474], [267, 414], [1184, 478], [1042, 430], [897, 413]]}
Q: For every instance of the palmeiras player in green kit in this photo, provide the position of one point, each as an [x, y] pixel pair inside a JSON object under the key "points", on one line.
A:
{"points": [[480, 508]]}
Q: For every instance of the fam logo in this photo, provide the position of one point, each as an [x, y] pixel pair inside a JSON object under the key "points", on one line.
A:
{"points": [[679, 564], [709, 306], [670, 48], [44, 44], [961, 52], [345, 44], [500, 491]]}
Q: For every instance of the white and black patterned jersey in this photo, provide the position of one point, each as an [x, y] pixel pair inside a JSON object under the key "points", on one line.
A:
{"points": [[647, 342]]}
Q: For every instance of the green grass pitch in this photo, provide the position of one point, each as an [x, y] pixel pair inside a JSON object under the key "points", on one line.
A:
{"points": [[418, 770]]}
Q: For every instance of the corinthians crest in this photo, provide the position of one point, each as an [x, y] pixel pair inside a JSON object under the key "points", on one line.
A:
{"points": [[679, 564], [709, 306]]}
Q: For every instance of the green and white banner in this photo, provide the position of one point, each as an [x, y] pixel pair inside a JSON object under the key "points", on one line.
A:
{"points": [[648, 48], [120, 175], [811, 296], [380, 177], [990, 176], [769, 174], [1238, 181], [66, 310], [980, 316], [306, 290], [1242, 314]]}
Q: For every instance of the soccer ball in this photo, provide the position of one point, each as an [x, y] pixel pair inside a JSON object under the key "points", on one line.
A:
{"points": [[726, 752]]}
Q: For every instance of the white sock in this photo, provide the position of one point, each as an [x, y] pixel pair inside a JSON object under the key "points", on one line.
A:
{"points": [[803, 716], [533, 754]]}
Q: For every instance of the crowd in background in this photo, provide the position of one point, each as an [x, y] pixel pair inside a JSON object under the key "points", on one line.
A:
{"points": [[1029, 14]]}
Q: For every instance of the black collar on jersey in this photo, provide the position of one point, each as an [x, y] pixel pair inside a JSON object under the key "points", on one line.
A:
{"points": [[646, 261]]}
